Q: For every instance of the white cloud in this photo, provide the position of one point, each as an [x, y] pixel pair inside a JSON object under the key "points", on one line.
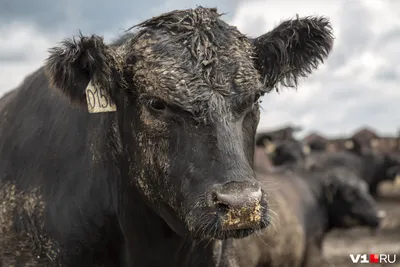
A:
{"points": [[27, 44], [359, 82], [23, 50], [357, 85]]}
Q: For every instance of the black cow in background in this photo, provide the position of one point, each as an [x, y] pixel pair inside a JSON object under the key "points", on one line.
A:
{"points": [[317, 145], [374, 167], [283, 152], [284, 133], [165, 151], [305, 206]]}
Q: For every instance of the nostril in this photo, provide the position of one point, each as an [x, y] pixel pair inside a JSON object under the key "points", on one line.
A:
{"points": [[223, 208], [236, 200], [237, 205], [219, 203]]}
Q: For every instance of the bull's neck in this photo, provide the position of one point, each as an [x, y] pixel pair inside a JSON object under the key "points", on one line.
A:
{"points": [[148, 240]]}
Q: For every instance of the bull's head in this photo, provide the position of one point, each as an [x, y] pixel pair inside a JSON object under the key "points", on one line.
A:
{"points": [[185, 90], [348, 200]]}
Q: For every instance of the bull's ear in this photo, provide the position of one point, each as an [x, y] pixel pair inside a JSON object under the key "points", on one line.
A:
{"points": [[293, 50], [87, 71]]}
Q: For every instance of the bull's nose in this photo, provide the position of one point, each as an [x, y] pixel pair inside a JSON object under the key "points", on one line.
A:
{"points": [[238, 204], [235, 196]]}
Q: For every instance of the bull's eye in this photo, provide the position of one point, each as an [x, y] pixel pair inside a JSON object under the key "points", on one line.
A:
{"points": [[158, 105]]}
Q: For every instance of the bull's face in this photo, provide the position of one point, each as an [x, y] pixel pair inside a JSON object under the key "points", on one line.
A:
{"points": [[195, 133], [349, 201], [185, 89]]}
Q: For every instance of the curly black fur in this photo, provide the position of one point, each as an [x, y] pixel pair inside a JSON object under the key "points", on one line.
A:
{"points": [[79, 59], [293, 49], [127, 181]]}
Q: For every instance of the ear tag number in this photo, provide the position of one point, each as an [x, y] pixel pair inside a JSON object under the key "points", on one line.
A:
{"points": [[97, 99]]}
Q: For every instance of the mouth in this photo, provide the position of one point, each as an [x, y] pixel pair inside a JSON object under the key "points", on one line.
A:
{"points": [[349, 221], [373, 220], [239, 223], [376, 220], [218, 231], [239, 233], [219, 224]]}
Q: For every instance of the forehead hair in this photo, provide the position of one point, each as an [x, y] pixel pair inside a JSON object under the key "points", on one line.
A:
{"points": [[193, 60]]}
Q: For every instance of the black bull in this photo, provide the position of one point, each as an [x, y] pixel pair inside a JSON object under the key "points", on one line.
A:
{"points": [[164, 153]]}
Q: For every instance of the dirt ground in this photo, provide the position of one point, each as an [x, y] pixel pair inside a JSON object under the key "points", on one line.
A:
{"points": [[340, 244]]}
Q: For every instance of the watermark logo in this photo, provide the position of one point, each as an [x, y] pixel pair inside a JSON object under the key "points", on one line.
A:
{"points": [[373, 258]]}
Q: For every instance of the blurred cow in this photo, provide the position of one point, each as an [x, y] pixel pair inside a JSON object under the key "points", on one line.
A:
{"points": [[282, 152], [306, 206], [374, 167], [317, 145]]}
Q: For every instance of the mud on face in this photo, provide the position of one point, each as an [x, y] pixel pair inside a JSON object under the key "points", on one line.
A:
{"points": [[22, 240], [186, 86], [187, 77]]}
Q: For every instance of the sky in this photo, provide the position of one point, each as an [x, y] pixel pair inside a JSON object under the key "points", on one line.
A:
{"points": [[359, 84]]}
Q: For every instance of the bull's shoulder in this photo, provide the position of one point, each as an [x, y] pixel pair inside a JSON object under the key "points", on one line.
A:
{"points": [[22, 239], [41, 132], [34, 104], [36, 130], [48, 153]]}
